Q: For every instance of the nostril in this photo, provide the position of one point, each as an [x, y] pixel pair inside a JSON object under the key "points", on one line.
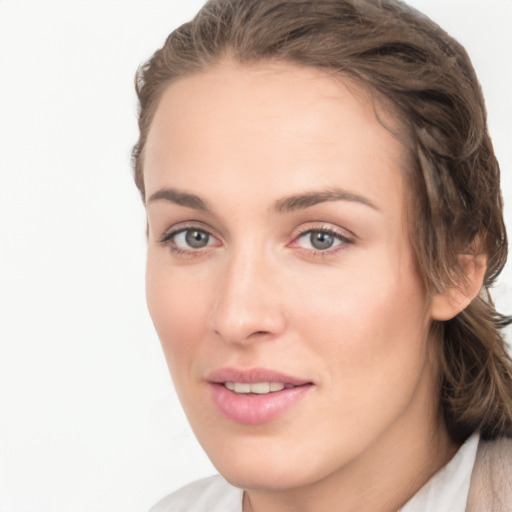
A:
{"points": [[259, 335]]}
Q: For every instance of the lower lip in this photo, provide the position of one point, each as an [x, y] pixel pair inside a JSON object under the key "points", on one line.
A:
{"points": [[256, 409]]}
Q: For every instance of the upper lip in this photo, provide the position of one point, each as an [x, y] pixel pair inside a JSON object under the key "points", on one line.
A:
{"points": [[253, 375]]}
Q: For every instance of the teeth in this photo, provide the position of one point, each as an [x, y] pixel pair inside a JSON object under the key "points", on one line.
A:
{"points": [[242, 387], [259, 388]]}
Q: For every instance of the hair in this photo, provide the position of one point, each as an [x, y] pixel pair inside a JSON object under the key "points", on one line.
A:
{"points": [[401, 55]]}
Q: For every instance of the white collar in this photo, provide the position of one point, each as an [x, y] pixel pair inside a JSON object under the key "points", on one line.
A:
{"points": [[447, 490]]}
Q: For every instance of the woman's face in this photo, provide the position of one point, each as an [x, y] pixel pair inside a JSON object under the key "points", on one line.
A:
{"points": [[280, 276]]}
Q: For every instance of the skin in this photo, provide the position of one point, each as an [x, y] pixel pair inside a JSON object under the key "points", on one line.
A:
{"points": [[353, 319]]}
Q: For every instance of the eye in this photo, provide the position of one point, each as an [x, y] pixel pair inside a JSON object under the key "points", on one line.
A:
{"points": [[188, 241], [191, 239], [320, 240]]}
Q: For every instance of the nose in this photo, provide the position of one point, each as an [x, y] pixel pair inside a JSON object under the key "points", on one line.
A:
{"points": [[247, 307]]}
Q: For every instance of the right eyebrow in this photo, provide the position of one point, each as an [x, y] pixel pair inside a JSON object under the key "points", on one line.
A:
{"points": [[180, 198]]}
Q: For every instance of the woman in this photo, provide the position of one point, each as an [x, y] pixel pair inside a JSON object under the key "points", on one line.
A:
{"points": [[324, 223]]}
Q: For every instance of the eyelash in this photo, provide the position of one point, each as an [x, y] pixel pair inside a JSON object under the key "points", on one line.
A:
{"points": [[342, 239], [167, 240]]}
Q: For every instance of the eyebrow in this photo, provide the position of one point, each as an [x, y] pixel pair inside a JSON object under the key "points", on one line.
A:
{"points": [[308, 199], [286, 204], [180, 198]]}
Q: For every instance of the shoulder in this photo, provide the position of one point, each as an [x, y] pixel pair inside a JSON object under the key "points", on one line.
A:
{"points": [[491, 480], [212, 494], [499, 451]]}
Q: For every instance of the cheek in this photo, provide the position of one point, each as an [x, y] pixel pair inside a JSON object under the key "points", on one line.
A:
{"points": [[176, 313], [369, 296], [370, 323]]}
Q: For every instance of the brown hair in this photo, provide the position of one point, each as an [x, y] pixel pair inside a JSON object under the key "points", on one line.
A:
{"points": [[428, 77]]}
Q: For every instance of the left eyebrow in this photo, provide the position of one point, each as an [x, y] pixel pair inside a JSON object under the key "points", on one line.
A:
{"points": [[308, 199]]}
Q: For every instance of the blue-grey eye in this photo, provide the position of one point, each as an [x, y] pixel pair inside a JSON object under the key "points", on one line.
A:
{"points": [[319, 240], [191, 239]]}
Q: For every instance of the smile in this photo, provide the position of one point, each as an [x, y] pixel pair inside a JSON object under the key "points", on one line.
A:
{"points": [[255, 396], [258, 388]]}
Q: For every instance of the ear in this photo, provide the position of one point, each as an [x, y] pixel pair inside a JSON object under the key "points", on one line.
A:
{"points": [[457, 297]]}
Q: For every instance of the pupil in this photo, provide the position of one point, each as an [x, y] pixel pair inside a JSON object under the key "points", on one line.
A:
{"points": [[321, 240], [196, 239]]}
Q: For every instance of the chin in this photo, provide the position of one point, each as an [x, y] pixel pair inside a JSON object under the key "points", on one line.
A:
{"points": [[265, 478], [270, 466]]}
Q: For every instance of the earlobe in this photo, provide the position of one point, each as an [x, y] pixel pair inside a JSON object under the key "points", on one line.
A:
{"points": [[457, 297]]}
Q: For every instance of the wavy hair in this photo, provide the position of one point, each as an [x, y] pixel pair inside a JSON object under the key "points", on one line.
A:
{"points": [[401, 55]]}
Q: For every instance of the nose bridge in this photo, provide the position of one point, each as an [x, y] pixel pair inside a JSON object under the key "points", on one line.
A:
{"points": [[245, 308]]}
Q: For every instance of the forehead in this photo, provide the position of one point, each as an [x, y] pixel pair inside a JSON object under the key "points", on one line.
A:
{"points": [[258, 122]]}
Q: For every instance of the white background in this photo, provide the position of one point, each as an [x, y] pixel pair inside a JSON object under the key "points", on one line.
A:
{"points": [[88, 418]]}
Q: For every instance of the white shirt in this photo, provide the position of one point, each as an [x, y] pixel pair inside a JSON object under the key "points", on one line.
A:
{"points": [[446, 491]]}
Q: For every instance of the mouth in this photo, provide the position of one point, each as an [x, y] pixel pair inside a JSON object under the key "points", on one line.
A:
{"points": [[255, 396], [257, 388]]}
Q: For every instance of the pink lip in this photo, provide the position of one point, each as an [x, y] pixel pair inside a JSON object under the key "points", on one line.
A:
{"points": [[251, 408]]}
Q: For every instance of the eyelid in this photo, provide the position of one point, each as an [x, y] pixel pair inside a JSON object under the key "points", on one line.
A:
{"points": [[166, 239], [328, 228], [183, 226], [343, 235]]}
